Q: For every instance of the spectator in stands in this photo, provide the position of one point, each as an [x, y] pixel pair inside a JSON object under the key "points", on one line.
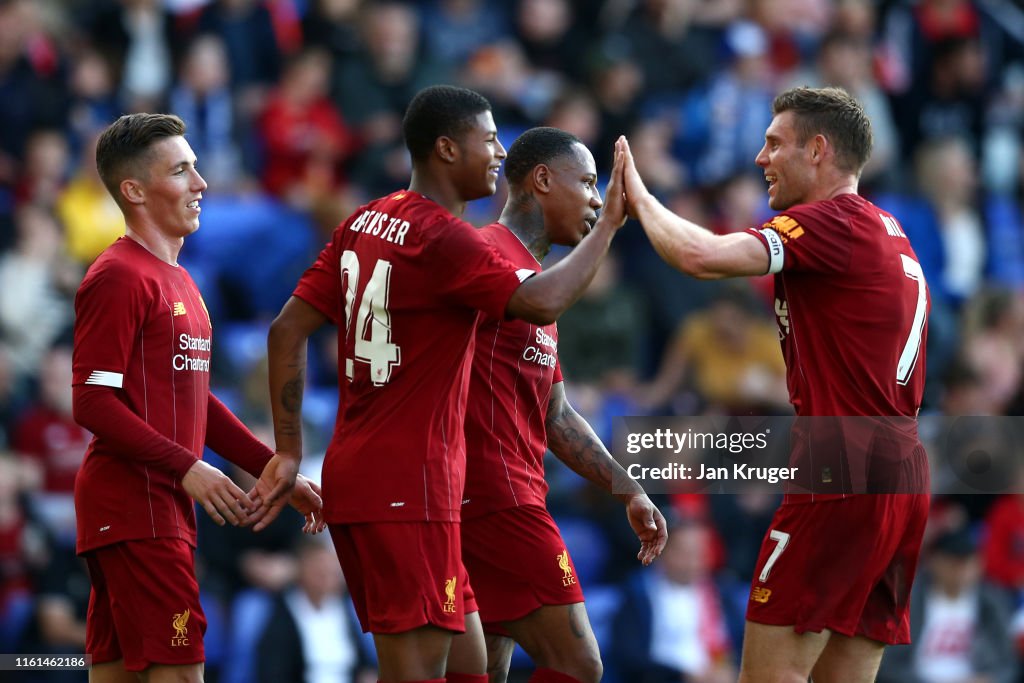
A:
{"points": [[674, 51], [312, 635], [202, 98], [45, 168], [720, 126], [140, 38], [728, 355], [959, 622], [36, 282], [52, 445], [31, 90], [671, 625], [993, 345], [93, 92], [307, 141], [23, 551], [332, 25], [255, 55], [617, 82], [14, 395], [846, 60], [455, 29], [373, 89], [89, 214], [551, 38]]}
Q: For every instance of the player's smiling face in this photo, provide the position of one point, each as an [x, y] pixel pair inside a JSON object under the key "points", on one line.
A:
{"points": [[173, 187], [480, 158], [570, 208], [786, 164]]}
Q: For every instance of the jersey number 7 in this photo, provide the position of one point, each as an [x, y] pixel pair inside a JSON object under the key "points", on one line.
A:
{"points": [[372, 322], [912, 349]]}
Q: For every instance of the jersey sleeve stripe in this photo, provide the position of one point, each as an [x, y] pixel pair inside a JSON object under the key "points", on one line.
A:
{"points": [[106, 379], [776, 250]]}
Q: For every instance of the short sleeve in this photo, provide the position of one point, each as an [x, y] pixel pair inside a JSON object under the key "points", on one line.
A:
{"points": [[110, 309], [471, 271], [320, 285], [807, 238]]}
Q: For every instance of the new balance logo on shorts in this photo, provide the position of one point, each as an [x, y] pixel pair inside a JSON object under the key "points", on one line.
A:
{"points": [[563, 562], [449, 590], [180, 624], [761, 595]]}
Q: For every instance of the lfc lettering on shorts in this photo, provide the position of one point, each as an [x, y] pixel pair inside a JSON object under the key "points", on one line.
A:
{"points": [[449, 590], [563, 561], [180, 624]]}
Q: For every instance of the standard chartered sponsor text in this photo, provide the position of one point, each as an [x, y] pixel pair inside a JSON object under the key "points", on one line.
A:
{"points": [[182, 361]]}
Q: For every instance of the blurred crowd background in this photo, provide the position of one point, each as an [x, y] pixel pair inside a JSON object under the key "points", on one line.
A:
{"points": [[294, 107]]}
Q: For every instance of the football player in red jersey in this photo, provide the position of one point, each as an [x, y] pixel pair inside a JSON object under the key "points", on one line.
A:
{"points": [[141, 385], [852, 305], [523, 577], [404, 279]]}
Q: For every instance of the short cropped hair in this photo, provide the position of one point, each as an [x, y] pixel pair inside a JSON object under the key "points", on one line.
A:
{"points": [[539, 145], [127, 142], [439, 110], [834, 113]]}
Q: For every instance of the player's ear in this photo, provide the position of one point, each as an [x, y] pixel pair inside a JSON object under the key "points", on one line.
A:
{"points": [[446, 148], [819, 146], [132, 191], [541, 176]]}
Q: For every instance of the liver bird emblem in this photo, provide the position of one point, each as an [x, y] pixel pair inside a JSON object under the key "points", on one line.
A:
{"points": [[180, 624]]}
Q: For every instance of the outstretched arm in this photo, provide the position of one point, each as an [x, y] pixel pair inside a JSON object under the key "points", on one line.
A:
{"points": [[684, 245], [574, 442], [544, 297]]}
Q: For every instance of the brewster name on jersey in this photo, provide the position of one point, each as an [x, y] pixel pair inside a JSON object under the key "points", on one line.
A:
{"points": [[377, 223]]}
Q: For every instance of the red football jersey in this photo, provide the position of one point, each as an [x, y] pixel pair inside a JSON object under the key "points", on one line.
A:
{"points": [[141, 327], [514, 366], [852, 308], [404, 279]]}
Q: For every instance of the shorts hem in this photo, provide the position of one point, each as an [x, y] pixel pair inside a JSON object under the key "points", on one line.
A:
{"points": [[496, 624], [138, 666]]}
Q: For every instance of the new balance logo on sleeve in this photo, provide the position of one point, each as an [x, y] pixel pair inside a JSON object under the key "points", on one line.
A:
{"points": [[106, 379]]}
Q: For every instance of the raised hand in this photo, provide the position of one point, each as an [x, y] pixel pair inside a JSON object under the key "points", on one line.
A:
{"points": [[632, 183], [219, 496], [649, 525], [614, 211]]}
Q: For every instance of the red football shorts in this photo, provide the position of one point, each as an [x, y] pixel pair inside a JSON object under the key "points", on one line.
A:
{"points": [[517, 562], [846, 565], [144, 605], [403, 575]]}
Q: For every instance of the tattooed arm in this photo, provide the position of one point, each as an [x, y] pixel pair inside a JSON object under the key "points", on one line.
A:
{"points": [[574, 442], [286, 358]]}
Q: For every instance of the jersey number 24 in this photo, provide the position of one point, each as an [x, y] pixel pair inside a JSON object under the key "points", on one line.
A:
{"points": [[372, 322]]}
